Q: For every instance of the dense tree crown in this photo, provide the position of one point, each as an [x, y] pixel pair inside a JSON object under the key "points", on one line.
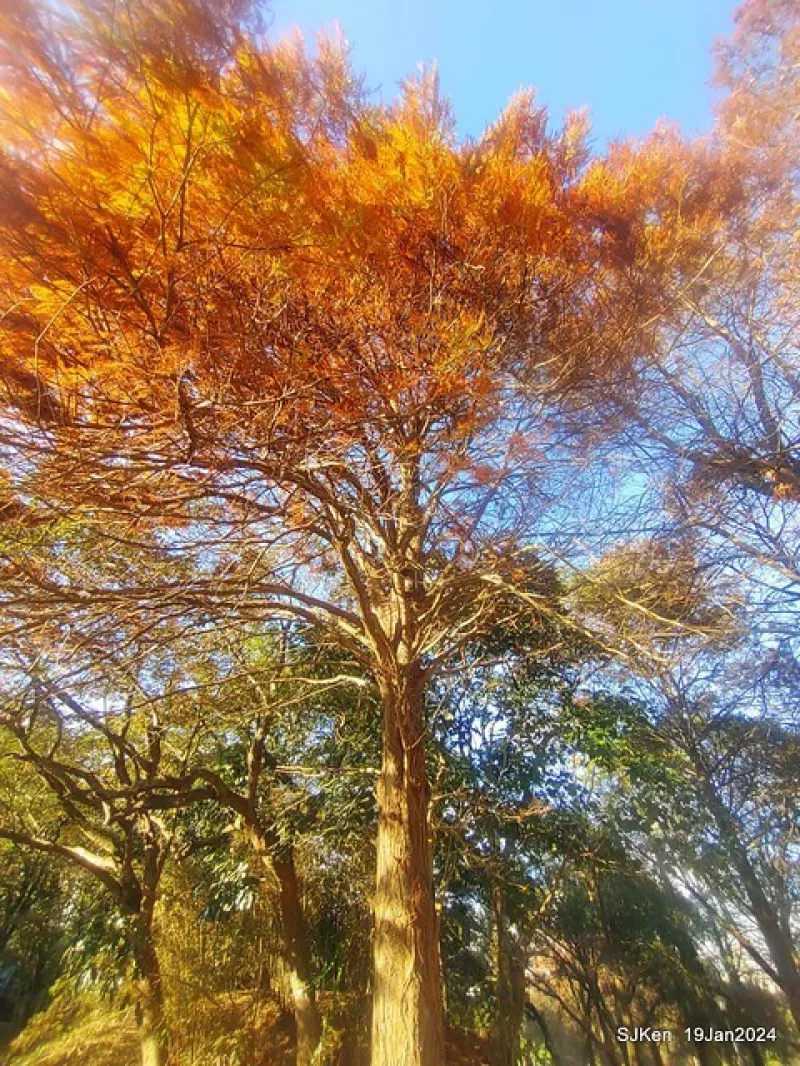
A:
{"points": [[398, 539]]}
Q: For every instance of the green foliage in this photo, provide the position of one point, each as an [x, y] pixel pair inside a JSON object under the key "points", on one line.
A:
{"points": [[31, 894]]}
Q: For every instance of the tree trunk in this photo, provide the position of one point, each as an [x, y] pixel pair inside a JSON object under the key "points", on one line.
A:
{"points": [[509, 991], [278, 862], [613, 1052], [777, 941], [297, 954], [149, 996], [638, 1053], [544, 1028], [777, 938], [407, 1013], [590, 1042]]}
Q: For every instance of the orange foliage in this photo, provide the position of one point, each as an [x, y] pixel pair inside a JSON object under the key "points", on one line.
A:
{"points": [[210, 232]]}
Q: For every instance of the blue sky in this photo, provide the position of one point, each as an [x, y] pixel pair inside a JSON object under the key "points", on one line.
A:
{"points": [[630, 61]]}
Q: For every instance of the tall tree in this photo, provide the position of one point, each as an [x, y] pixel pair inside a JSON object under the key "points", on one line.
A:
{"points": [[259, 691], [717, 416], [323, 345], [103, 806], [717, 711], [743, 770]]}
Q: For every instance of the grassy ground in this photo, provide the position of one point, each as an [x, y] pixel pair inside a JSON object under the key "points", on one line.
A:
{"points": [[82, 1029], [84, 1032]]}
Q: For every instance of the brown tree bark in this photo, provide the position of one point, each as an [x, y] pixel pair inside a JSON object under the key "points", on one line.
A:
{"points": [[297, 957], [407, 1012], [509, 991], [137, 897], [277, 861], [655, 1051], [149, 997]]}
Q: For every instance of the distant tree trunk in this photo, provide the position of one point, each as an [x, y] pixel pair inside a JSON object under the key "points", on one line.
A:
{"points": [[756, 1054], [702, 1053], [777, 935], [655, 1051], [149, 993], [509, 990], [138, 898], [591, 1058], [613, 1051], [777, 939], [407, 1013], [278, 861], [547, 1036], [589, 1043], [638, 1054], [297, 954]]}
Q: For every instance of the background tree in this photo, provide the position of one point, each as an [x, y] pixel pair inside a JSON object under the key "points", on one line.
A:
{"points": [[29, 904], [103, 805], [716, 416], [711, 707], [741, 773]]}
